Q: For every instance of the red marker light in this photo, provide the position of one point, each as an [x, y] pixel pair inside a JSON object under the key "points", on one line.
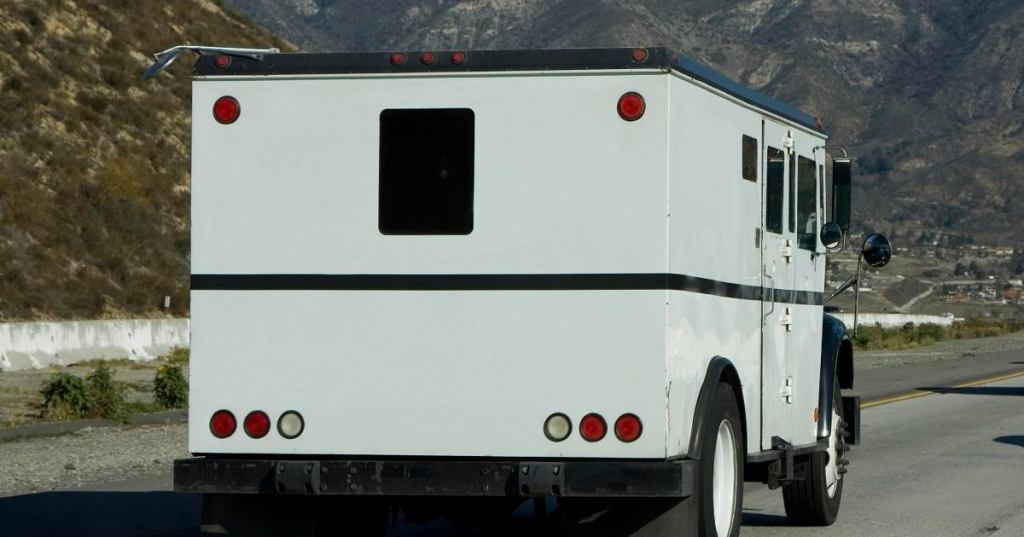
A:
{"points": [[222, 424], [256, 424], [459, 58], [226, 110], [397, 59], [631, 106], [628, 427], [593, 427], [222, 61], [428, 58], [639, 55]]}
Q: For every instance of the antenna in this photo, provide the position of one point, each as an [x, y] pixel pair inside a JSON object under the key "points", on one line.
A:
{"points": [[165, 58]]}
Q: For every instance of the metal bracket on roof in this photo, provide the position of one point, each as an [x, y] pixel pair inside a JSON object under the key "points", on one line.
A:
{"points": [[165, 58]]}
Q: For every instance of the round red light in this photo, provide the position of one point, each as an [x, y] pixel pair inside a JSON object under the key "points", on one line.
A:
{"points": [[632, 106], [628, 427], [222, 424], [226, 110], [593, 427], [639, 55], [222, 60], [256, 424], [428, 58], [397, 59], [458, 58]]}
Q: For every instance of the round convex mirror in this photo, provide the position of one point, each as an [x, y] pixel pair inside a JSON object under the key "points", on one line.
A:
{"points": [[831, 236], [877, 250]]}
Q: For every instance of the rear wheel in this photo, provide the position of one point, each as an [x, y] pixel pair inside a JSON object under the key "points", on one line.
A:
{"points": [[814, 501], [721, 469]]}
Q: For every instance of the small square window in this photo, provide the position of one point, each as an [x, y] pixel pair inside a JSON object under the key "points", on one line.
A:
{"points": [[750, 158], [426, 171]]}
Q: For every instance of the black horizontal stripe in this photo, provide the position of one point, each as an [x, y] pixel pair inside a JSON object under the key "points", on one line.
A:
{"points": [[494, 282]]}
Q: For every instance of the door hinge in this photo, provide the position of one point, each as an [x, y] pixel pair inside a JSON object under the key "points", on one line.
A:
{"points": [[787, 320], [786, 391], [787, 251]]}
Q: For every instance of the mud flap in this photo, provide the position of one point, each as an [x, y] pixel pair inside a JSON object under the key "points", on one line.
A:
{"points": [[851, 417]]}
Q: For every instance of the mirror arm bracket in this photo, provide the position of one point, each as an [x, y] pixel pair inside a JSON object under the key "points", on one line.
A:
{"points": [[831, 148]]}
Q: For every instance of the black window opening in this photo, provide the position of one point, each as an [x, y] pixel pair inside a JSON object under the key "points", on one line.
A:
{"points": [[792, 193], [426, 171], [821, 193], [806, 205], [774, 190], [749, 158]]}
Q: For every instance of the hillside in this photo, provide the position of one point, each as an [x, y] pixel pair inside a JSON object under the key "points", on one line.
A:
{"points": [[94, 184], [928, 95]]}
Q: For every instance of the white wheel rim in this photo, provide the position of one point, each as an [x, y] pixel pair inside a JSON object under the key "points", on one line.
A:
{"points": [[723, 479], [832, 475]]}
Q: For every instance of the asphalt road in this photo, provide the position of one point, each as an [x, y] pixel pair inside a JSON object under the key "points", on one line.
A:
{"points": [[949, 463]]}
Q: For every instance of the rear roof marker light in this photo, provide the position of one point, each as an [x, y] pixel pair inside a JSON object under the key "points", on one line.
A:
{"points": [[397, 59], [639, 55], [428, 58], [458, 57]]}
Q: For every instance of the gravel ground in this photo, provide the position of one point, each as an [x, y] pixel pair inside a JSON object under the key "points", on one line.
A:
{"points": [[945, 350], [88, 457]]}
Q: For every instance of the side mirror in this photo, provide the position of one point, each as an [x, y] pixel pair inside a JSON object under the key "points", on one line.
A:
{"points": [[831, 236], [842, 170], [877, 250]]}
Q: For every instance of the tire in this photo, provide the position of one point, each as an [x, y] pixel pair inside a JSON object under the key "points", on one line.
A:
{"points": [[722, 458], [815, 500]]}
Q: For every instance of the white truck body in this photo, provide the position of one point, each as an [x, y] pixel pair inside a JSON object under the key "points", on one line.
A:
{"points": [[461, 345]]}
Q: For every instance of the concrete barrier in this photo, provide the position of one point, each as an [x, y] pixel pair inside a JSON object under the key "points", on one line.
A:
{"points": [[40, 344], [894, 320]]}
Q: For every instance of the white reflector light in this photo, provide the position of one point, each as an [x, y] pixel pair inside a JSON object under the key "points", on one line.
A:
{"points": [[557, 427], [290, 424]]}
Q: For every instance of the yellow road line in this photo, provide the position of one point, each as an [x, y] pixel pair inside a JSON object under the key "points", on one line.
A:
{"points": [[921, 393]]}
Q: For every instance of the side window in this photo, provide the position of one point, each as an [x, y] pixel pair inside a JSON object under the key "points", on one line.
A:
{"points": [[792, 193], [806, 203], [749, 158], [775, 190], [821, 193]]}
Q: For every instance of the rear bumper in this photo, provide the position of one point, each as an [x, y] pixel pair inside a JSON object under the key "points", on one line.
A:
{"points": [[445, 477]]}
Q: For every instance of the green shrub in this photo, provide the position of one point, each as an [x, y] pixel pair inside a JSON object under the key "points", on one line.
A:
{"points": [[65, 397], [106, 394], [911, 335], [170, 387], [178, 356]]}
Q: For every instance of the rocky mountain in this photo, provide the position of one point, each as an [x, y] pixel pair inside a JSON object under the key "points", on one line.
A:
{"points": [[928, 94], [94, 183]]}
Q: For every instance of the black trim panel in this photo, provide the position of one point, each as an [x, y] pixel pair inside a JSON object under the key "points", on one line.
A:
{"points": [[499, 61], [494, 282], [385, 477]]}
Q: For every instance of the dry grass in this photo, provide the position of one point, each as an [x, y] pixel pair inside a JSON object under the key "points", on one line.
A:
{"points": [[94, 184]]}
